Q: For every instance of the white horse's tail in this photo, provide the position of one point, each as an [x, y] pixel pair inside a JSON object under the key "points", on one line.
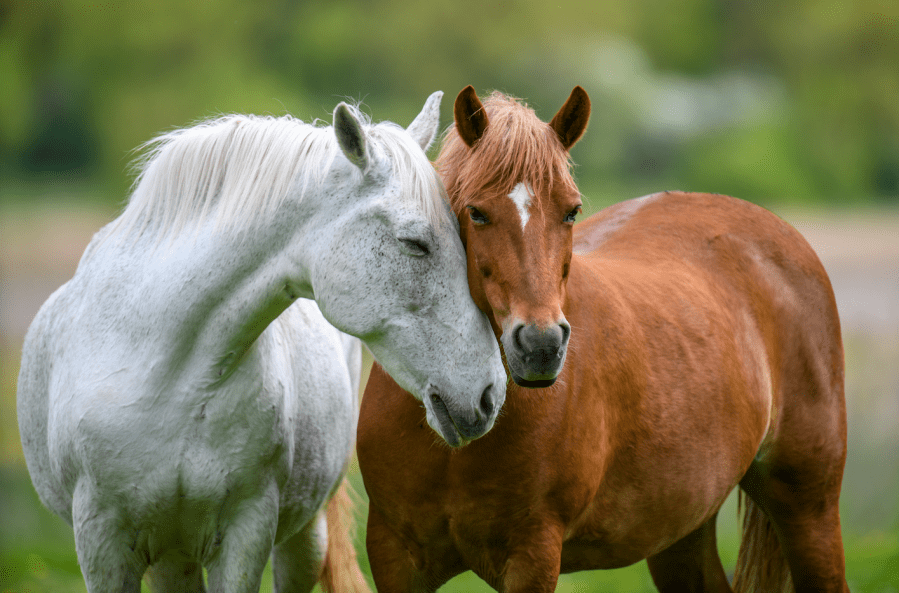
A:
{"points": [[341, 572]]}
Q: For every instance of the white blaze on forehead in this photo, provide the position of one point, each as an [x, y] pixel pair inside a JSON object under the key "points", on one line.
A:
{"points": [[521, 195]]}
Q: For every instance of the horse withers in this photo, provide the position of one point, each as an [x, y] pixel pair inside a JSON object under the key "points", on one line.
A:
{"points": [[664, 351], [181, 404]]}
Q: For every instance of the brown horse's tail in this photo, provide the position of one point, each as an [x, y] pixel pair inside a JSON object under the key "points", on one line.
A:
{"points": [[341, 572], [761, 565]]}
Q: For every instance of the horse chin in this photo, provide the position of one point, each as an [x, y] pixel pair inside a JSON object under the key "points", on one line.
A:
{"points": [[439, 419], [451, 436], [534, 384]]}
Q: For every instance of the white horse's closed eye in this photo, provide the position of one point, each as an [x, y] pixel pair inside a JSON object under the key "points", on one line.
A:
{"points": [[182, 404]]}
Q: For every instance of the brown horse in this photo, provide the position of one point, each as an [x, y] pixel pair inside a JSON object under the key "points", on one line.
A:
{"points": [[701, 349]]}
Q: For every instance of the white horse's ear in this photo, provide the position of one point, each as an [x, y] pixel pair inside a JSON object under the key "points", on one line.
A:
{"points": [[424, 127], [350, 136]]}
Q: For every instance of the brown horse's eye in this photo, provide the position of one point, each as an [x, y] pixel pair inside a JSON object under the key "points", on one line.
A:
{"points": [[477, 216], [573, 214]]}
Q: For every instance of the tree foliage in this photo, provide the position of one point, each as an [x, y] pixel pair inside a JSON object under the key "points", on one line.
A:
{"points": [[793, 100]]}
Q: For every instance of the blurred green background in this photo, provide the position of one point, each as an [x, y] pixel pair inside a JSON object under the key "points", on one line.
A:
{"points": [[793, 105]]}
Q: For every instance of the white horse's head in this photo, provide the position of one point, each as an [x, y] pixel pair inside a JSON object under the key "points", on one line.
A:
{"points": [[354, 216], [392, 271]]}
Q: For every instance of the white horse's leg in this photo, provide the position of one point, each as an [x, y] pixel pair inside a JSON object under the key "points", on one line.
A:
{"points": [[246, 542], [172, 576], [108, 562], [298, 561]]}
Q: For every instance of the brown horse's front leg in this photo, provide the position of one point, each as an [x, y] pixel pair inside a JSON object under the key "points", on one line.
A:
{"points": [[535, 561], [392, 565], [400, 565]]}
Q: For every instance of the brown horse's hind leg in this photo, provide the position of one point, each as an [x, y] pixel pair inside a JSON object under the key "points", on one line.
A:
{"points": [[534, 562], [795, 480], [691, 564], [806, 520]]}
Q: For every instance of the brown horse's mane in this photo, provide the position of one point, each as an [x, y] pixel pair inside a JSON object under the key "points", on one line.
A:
{"points": [[517, 147]]}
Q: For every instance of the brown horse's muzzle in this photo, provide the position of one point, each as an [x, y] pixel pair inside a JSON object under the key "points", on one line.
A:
{"points": [[536, 354]]}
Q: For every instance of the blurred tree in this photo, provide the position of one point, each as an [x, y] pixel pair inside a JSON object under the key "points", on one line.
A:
{"points": [[792, 100], [62, 139]]}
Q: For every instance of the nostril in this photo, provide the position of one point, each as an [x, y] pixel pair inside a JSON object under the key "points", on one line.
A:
{"points": [[516, 337], [487, 403], [566, 332]]}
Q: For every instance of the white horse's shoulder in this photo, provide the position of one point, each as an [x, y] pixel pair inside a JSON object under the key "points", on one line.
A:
{"points": [[37, 354], [318, 356], [313, 371], [32, 401]]}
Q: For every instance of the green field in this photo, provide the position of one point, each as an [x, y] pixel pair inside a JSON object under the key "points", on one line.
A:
{"points": [[37, 552]]}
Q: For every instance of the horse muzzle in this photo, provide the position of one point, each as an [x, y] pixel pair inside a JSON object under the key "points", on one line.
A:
{"points": [[536, 354], [461, 424]]}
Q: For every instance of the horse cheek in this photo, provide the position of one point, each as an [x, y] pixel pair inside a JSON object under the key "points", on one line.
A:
{"points": [[476, 286]]}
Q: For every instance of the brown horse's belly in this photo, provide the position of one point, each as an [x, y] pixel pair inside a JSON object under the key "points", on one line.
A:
{"points": [[638, 513], [585, 554], [630, 540]]}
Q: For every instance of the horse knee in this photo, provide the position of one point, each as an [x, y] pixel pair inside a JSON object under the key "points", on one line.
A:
{"points": [[109, 563], [298, 561], [247, 539]]}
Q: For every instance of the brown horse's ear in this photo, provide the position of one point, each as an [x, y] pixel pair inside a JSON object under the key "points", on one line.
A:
{"points": [[471, 119], [571, 120]]}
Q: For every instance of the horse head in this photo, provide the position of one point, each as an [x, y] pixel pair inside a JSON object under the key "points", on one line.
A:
{"points": [[392, 272], [508, 178]]}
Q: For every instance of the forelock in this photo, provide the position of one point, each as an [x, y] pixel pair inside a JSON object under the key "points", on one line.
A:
{"points": [[517, 147]]}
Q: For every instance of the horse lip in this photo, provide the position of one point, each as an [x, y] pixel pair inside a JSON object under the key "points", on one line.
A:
{"points": [[526, 376], [448, 429], [533, 384]]}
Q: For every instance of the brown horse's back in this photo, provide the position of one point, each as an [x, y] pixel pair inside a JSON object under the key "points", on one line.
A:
{"points": [[753, 261]]}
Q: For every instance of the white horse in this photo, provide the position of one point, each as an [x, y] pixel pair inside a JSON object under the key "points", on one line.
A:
{"points": [[181, 405]]}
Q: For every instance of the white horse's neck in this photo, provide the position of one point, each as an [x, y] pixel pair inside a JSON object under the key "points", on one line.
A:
{"points": [[200, 300], [217, 240], [230, 222]]}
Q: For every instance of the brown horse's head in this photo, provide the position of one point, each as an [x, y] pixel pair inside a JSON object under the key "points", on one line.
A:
{"points": [[508, 177]]}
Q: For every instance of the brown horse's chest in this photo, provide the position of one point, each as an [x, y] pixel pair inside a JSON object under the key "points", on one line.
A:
{"points": [[615, 505], [605, 526]]}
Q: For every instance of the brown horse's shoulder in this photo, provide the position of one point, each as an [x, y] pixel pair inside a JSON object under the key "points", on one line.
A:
{"points": [[607, 223], [398, 452]]}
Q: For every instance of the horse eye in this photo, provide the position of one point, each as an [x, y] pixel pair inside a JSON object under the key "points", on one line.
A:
{"points": [[477, 216], [415, 247], [573, 214]]}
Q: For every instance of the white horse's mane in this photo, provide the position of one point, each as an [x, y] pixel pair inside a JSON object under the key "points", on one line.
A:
{"points": [[239, 168]]}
